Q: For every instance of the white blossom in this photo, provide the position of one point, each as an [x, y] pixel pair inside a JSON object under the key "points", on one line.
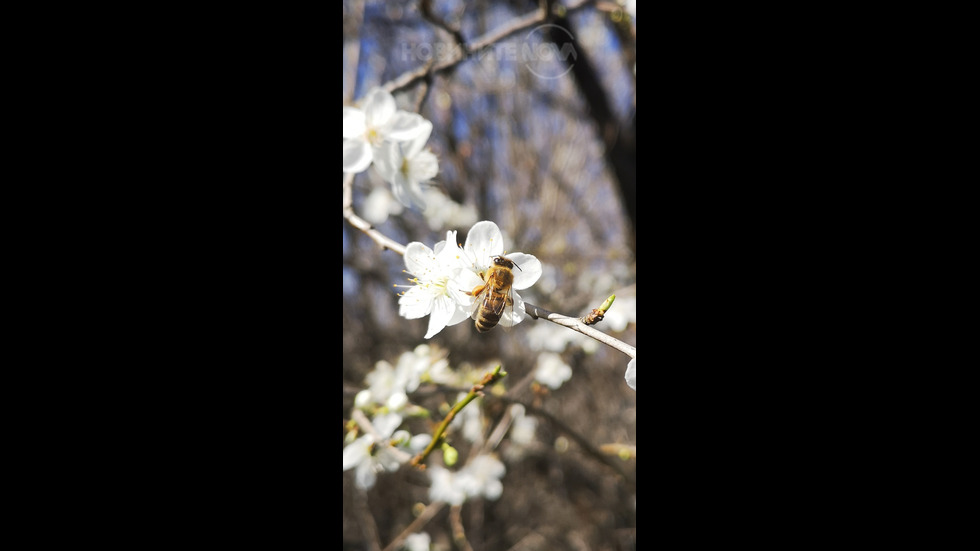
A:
{"points": [[379, 204], [376, 122], [484, 242], [479, 478], [442, 212], [432, 295], [406, 166], [370, 455], [551, 370], [523, 428], [445, 487]]}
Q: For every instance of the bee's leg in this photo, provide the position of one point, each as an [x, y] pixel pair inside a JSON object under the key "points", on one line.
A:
{"points": [[510, 301], [476, 290]]}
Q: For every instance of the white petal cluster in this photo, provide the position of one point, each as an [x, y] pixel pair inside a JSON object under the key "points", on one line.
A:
{"points": [[551, 370], [392, 140], [479, 478], [446, 273], [372, 454]]}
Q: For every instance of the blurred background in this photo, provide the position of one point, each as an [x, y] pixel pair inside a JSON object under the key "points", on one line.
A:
{"points": [[537, 134]]}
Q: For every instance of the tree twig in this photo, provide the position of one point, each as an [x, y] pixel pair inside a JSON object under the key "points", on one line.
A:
{"points": [[362, 224], [477, 390], [416, 525], [576, 324], [536, 17]]}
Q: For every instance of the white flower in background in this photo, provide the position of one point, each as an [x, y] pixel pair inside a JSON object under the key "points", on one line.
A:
{"points": [[377, 121], [445, 487], [442, 212], [551, 337], [432, 295], [406, 166], [481, 477], [484, 242], [370, 455], [631, 374], [379, 205], [551, 370], [524, 426], [411, 444], [417, 542], [469, 421], [521, 434]]}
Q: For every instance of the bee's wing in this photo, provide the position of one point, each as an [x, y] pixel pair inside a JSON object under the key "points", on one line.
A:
{"points": [[507, 312], [479, 299]]}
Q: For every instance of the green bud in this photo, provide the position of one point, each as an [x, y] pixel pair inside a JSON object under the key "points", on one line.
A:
{"points": [[449, 455]]}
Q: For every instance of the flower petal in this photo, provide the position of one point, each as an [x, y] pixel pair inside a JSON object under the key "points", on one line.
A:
{"points": [[386, 423], [356, 451], [419, 135], [405, 126], [415, 303], [357, 155], [379, 106], [387, 160], [407, 191], [527, 269], [423, 166], [354, 122], [443, 309], [483, 242], [419, 259]]}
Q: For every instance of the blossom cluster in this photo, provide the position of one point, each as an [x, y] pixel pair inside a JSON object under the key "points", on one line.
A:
{"points": [[388, 446], [478, 478], [392, 140], [446, 275], [386, 406]]}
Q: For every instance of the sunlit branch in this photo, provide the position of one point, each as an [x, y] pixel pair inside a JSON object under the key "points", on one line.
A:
{"points": [[477, 390], [416, 525], [536, 17], [576, 324], [364, 225], [530, 409]]}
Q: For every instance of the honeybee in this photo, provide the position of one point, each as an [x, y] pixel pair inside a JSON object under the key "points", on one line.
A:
{"points": [[496, 295]]}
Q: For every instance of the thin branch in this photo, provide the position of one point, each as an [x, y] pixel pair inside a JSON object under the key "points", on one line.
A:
{"points": [[536, 17], [586, 446], [529, 409], [425, 8], [459, 534], [476, 391], [416, 525], [364, 225], [576, 324]]}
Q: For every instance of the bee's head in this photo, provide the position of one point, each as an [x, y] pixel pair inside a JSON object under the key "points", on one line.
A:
{"points": [[505, 262]]}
